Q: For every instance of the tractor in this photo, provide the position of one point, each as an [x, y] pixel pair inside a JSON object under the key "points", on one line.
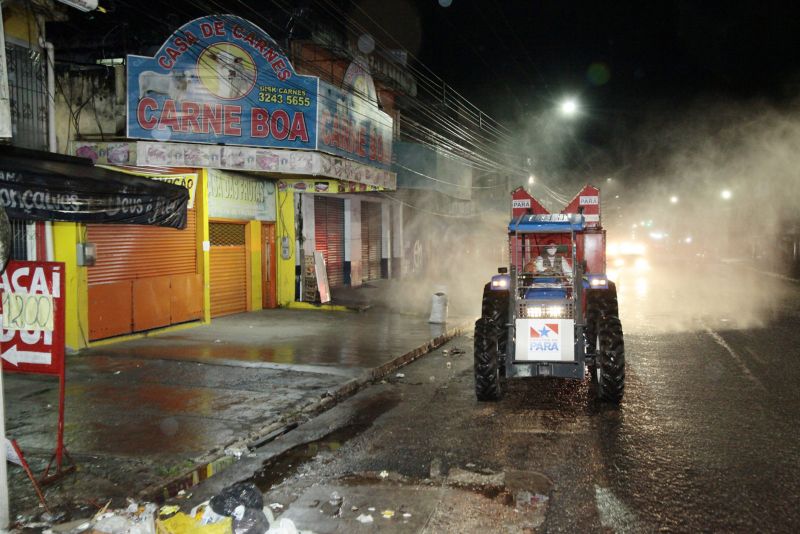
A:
{"points": [[552, 312]]}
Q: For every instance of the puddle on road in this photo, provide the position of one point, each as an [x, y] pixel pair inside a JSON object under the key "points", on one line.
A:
{"points": [[279, 468]]}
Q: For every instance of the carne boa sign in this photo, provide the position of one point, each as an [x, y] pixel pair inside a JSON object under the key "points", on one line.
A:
{"points": [[221, 79]]}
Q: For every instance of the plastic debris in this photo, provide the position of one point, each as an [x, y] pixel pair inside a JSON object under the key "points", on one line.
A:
{"points": [[455, 351], [400, 375], [371, 508], [384, 474], [169, 510], [241, 493], [387, 514], [236, 452], [449, 365], [336, 499], [209, 516], [276, 506], [284, 526], [406, 515], [365, 519], [249, 521], [181, 523]]}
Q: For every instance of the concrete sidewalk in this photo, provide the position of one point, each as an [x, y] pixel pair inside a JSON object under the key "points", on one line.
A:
{"points": [[161, 411]]}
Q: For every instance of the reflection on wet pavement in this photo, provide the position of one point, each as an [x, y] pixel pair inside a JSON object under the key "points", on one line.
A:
{"points": [[290, 337]]}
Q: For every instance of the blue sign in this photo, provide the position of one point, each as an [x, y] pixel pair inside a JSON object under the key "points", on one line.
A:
{"points": [[352, 126], [223, 80]]}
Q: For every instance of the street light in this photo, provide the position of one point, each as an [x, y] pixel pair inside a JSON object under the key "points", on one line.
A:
{"points": [[726, 194], [673, 199], [569, 107], [531, 179]]}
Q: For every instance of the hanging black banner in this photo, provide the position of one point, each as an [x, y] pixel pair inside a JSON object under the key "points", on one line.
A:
{"points": [[50, 187]]}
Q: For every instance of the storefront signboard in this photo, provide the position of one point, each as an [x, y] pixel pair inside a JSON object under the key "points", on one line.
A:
{"points": [[233, 196], [352, 126], [221, 79]]}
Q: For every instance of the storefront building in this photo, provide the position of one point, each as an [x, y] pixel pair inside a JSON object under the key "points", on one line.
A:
{"points": [[278, 166]]}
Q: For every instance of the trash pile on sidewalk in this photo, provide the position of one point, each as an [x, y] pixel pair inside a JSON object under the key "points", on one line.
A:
{"points": [[237, 509]]}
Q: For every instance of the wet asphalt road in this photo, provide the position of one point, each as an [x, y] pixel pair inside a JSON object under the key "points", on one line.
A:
{"points": [[705, 440]]}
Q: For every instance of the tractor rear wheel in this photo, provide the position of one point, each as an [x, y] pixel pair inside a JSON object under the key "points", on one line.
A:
{"points": [[594, 311], [610, 360], [487, 362]]}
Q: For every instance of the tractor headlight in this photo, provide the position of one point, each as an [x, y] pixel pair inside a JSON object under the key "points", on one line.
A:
{"points": [[545, 310], [500, 283], [598, 282], [535, 311]]}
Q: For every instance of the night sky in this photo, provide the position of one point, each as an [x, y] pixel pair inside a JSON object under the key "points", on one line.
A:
{"points": [[630, 63]]}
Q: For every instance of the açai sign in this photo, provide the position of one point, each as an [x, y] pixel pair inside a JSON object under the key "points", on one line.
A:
{"points": [[32, 334]]}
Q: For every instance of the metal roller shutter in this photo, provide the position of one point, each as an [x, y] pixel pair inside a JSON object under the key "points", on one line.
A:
{"points": [[228, 259], [127, 252], [145, 277], [370, 240], [329, 236]]}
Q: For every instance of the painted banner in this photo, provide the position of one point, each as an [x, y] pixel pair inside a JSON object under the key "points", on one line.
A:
{"points": [[234, 196], [221, 79], [32, 334], [187, 180], [352, 126], [63, 190]]}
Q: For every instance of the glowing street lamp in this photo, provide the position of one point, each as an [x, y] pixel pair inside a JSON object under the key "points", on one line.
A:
{"points": [[531, 179], [726, 194], [673, 199], [569, 107]]}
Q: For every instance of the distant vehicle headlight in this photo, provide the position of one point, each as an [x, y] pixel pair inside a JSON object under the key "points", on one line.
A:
{"points": [[641, 264], [598, 282]]}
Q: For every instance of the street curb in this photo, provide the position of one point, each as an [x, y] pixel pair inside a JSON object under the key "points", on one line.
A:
{"points": [[217, 460]]}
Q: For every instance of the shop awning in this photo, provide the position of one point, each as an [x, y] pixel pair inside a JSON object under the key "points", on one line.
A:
{"points": [[51, 187]]}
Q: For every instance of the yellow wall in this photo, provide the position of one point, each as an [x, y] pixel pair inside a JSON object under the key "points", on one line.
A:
{"points": [[254, 249], [19, 23], [203, 254], [284, 227], [66, 237]]}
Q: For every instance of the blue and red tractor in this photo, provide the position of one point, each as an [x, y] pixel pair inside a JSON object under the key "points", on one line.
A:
{"points": [[552, 312]]}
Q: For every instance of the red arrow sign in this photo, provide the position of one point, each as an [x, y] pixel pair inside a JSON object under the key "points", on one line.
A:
{"points": [[32, 333]]}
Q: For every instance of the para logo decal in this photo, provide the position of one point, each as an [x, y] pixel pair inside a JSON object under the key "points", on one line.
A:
{"points": [[545, 339]]}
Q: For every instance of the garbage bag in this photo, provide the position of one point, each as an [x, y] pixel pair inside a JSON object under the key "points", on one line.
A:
{"points": [[181, 523], [249, 521], [240, 494]]}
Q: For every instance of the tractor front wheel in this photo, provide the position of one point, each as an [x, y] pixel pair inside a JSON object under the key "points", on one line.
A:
{"points": [[487, 362], [609, 368]]}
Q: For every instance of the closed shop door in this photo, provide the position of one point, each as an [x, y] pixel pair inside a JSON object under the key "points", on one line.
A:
{"points": [[268, 266], [370, 240], [145, 277], [329, 236], [228, 258]]}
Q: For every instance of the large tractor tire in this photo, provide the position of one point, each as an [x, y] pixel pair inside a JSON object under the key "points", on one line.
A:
{"points": [[487, 362], [609, 366], [494, 308], [611, 306]]}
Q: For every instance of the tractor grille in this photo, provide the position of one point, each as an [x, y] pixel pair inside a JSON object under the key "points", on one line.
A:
{"points": [[529, 309]]}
